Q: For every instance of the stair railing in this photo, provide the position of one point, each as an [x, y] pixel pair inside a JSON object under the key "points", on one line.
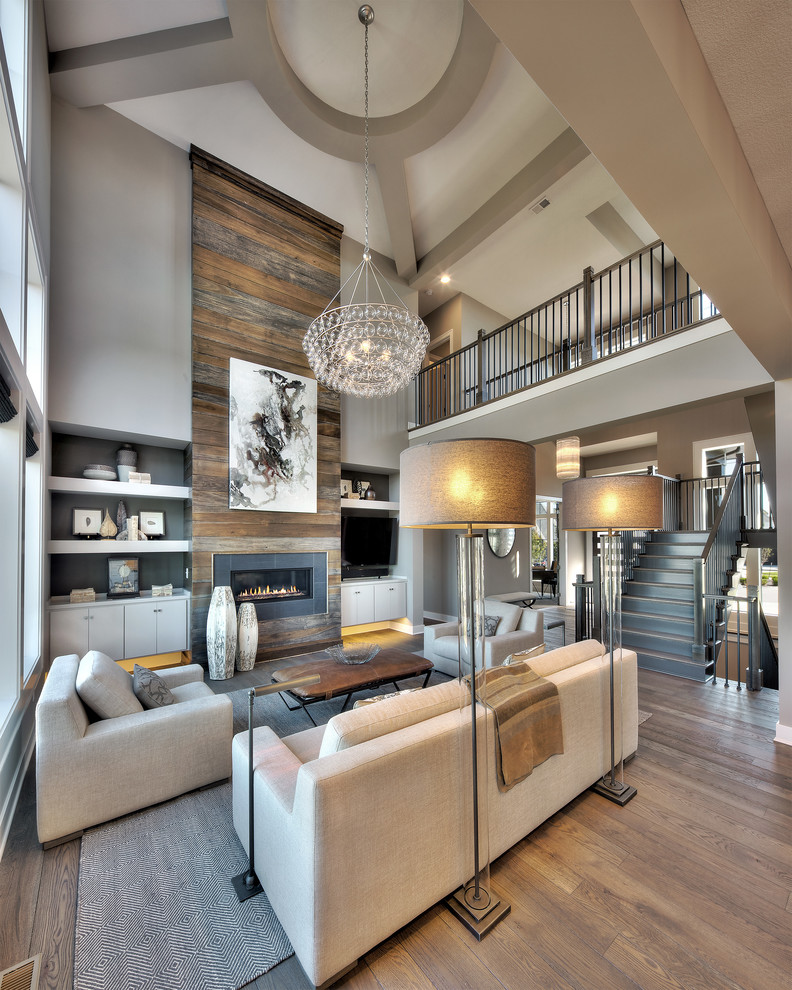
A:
{"points": [[762, 668], [756, 506], [588, 607], [710, 574]]}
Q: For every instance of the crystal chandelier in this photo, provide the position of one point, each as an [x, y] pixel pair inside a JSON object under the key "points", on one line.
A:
{"points": [[373, 346]]}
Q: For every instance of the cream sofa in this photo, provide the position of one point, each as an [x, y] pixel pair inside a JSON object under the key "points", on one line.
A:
{"points": [[89, 772], [518, 629], [363, 824]]}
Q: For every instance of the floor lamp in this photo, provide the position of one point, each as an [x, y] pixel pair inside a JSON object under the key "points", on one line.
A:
{"points": [[613, 504], [246, 884], [462, 484]]}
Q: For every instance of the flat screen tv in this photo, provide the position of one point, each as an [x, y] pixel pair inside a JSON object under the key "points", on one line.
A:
{"points": [[368, 545]]}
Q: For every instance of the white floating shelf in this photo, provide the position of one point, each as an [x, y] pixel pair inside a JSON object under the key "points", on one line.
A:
{"points": [[369, 504], [121, 548], [85, 486]]}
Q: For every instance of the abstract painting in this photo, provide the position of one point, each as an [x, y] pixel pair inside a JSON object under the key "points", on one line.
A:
{"points": [[271, 439]]}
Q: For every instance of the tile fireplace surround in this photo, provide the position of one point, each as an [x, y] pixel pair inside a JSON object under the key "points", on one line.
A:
{"points": [[306, 573]]}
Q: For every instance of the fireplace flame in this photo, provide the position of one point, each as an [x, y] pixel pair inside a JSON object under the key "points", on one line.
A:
{"points": [[262, 594]]}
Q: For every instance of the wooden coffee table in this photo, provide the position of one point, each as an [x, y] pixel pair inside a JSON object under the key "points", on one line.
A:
{"points": [[388, 667]]}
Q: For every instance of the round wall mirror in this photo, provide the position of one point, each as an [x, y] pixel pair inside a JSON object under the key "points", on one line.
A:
{"points": [[500, 541]]}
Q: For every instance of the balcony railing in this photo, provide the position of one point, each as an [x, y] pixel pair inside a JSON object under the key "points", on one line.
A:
{"points": [[641, 298]]}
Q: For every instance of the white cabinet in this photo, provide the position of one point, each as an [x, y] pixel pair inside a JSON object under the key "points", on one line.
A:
{"points": [[390, 600], [357, 603], [157, 626], [139, 627], [373, 601], [88, 627]]}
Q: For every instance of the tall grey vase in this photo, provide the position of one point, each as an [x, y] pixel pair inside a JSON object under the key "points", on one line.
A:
{"points": [[221, 634], [247, 636]]}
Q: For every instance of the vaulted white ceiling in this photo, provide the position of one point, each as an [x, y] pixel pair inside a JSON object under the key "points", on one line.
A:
{"points": [[463, 141]]}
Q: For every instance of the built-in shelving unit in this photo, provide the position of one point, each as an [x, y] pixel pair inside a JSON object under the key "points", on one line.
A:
{"points": [[116, 489], [118, 547], [79, 562], [368, 505]]}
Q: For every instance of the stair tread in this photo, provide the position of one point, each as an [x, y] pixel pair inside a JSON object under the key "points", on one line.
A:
{"points": [[659, 584], [665, 636], [664, 655], [654, 615]]}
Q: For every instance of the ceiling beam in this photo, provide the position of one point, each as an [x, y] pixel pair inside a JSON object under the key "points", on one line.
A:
{"points": [[138, 45], [630, 78], [166, 61], [550, 165], [615, 229], [392, 183]]}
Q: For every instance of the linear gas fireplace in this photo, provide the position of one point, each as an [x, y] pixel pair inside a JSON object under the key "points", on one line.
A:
{"points": [[278, 584]]}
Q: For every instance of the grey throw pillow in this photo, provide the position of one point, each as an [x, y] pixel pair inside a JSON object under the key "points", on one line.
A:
{"points": [[150, 689], [491, 624]]}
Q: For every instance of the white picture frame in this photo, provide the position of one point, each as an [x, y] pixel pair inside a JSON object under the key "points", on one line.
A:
{"points": [[151, 523], [86, 522]]}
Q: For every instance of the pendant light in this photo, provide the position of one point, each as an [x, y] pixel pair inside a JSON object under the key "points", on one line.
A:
{"points": [[373, 346]]}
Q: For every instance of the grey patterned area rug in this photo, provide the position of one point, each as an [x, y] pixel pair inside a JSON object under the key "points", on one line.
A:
{"points": [[155, 905]]}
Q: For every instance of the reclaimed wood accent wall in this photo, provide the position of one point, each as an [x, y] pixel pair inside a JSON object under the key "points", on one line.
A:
{"points": [[263, 266]]}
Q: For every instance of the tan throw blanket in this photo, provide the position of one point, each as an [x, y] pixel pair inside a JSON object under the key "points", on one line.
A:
{"points": [[527, 720]]}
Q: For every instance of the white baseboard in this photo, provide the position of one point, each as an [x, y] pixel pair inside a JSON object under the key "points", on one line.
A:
{"points": [[440, 616], [783, 734], [405, 626]]}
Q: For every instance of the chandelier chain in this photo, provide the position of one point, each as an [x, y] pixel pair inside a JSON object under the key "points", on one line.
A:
{"points": [[366, 130]]}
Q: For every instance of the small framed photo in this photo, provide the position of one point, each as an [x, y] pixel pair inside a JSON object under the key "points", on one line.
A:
{"points": [[86, 522], [152, 524], [346, 487], [122, 577]]}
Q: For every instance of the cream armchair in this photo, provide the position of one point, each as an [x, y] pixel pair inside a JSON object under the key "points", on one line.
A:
{"points": [[518, 629], [89, 772]]}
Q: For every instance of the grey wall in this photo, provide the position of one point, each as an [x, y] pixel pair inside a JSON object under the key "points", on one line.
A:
{"points": [[120, 304], [475, 317], [447, 318]]}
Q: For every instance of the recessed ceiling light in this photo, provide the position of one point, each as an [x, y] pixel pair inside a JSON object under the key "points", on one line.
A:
{"points": [[445, 279]]}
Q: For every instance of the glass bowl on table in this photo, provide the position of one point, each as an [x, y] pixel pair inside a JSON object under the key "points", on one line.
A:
{"points": [[353, 652]]}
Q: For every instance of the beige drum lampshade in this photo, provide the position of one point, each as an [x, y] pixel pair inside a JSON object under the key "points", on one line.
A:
{"points": [[619, 501], [486, 483]]}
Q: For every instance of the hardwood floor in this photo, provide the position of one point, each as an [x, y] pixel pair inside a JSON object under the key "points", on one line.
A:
{"points": [[688, 886]]}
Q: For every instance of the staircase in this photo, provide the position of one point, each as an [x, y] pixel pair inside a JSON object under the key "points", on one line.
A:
{"points": [[657, 605]]}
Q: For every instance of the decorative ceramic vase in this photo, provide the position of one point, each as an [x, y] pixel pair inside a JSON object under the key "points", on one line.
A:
{"points": [[126, 454], [132, 527], [247, 636], [221, 634]]}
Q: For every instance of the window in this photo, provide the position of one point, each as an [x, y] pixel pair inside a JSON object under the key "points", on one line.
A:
{"points": [[31, 558], [34, 325], [10, 465], [13, 20], [544, 536], [11, 242]]}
